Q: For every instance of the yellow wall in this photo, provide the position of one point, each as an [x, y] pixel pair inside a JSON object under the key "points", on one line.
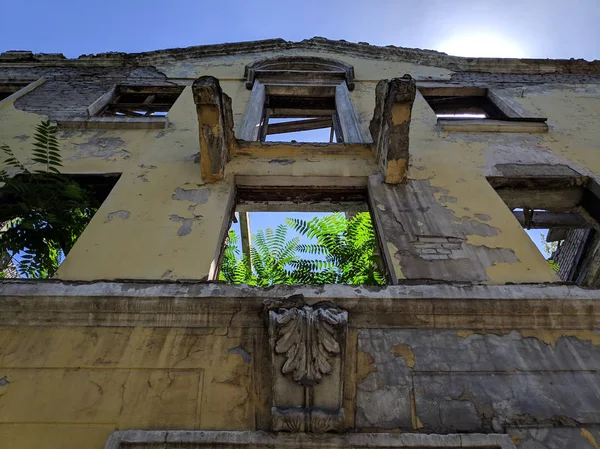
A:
{"points": [[71, 387], [137, 233]]}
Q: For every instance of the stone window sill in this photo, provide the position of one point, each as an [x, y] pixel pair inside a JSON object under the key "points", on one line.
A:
{"points": [[142, 439], [114, 122], [492, 126]]}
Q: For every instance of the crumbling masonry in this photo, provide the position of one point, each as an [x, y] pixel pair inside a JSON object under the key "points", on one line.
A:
{"points": [[475, 342]]}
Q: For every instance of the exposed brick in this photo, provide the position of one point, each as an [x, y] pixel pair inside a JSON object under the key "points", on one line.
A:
{"points": [[434, 256], [433, 240], [452, 245], [427, 245]]}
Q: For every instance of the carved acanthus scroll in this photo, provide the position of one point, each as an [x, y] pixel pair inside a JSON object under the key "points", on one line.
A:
{"points": [[308, 349], [307, 336]]}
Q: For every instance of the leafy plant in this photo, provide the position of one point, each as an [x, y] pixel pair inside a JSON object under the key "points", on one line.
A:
{"points": [[549, 250], [43, 211], [345, 252]]}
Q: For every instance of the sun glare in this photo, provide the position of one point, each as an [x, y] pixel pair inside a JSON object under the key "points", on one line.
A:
{"points": [[482, 45]]}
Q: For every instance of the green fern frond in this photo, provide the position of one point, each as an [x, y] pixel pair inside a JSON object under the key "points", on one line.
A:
{"points": [[11, 161]]}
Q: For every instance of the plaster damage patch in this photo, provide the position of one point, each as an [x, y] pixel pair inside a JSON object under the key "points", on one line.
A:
{"points": [[282, 161], [198, 196], [186, 224], [405, 352], [100, 147], [122, 214], [246, 356], [365, 365]]}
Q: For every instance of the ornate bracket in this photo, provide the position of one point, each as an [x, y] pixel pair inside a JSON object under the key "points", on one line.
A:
{"points": [[390, 126], [308, 345], [215, 126]]}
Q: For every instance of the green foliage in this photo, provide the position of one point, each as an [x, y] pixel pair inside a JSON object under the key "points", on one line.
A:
{"points": [[345, 252], [549, 249], [554, 265], [43, 211]]}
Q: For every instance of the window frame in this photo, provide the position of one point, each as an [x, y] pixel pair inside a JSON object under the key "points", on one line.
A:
{"points": [[514, 118], [554, 193], [26, 86], [99, 108], [95, 120], [351, 189], [300, 77]]}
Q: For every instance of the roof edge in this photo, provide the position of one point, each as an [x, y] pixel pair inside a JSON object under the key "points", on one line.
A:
{"points": [[360, 49]]}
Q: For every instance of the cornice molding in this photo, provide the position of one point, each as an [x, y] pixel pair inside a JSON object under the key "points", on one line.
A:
{"points": [[341, 47], [194, 304]]}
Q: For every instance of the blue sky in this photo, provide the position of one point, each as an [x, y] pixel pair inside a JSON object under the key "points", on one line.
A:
{"points": [[526, 28]]}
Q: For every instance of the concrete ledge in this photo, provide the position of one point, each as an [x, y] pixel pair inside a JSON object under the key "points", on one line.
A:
{"points": [[492, 126], [114, 123], [138, 439], [195, 304], [21, 92], [301, 149]]}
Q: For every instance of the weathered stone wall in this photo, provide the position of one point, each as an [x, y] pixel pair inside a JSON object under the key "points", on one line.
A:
{"points": [[81, 360], [522, 382]]}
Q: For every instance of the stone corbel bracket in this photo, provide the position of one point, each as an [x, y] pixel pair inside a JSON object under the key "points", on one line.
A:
{"points": [[390, 126], [215, 126], [308, 347]]}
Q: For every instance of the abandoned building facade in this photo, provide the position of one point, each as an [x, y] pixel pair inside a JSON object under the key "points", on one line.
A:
{"points": [[475, 341]]}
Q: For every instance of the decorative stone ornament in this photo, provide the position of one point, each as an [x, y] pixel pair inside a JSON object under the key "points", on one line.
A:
{"points": [[308, 345]]}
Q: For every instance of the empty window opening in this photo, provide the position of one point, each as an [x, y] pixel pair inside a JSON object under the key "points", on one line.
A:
{"points": [[301, 99], [561, 238], [134, 101], [9, 88], [465, 107], [559, 215], [306, 129], [286, 236], [300, 119], [42, 217]]}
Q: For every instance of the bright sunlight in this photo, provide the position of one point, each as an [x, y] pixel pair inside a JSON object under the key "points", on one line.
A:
{"points": [[482, 45]]}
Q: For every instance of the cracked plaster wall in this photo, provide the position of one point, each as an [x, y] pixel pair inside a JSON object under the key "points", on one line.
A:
{"points": [[542, 387], [71, 387], [176, 239]]}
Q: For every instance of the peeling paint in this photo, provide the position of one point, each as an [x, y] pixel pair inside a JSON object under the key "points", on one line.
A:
{"points": [[416, 422], [121, 214], [551, 337], [365, 365], [198, 196], [516, 439], [3, 381], [186, 224], [406, 353], [447, 199], [106, 148], [477, 228], [464, 334], [589, 438], [282, 161], [246, 356]]}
